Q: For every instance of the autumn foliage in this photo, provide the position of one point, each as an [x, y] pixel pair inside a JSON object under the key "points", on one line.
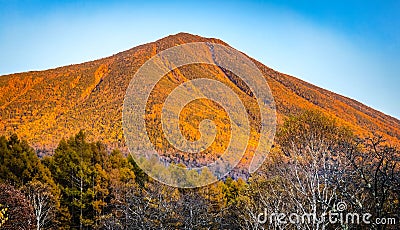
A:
{"points": [[44, 107]]}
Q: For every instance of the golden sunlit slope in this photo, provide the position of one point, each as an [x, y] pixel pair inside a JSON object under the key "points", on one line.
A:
{"points": [[45, 106]]}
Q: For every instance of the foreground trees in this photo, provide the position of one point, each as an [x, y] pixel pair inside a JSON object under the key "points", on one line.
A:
{"points": [[20, 214], [79, 169], [314, 165], [311, 145], [19, 163], [374, 182], [44, 202], [28, 191], [317, 165]]}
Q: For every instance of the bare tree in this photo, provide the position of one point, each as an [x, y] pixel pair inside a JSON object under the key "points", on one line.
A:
{"points": [[263, 197], [372, 179], [310, 144], [317, 164], [43, 202], [19, 209]]}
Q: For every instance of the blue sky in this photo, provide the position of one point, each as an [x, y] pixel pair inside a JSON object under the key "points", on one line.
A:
{"points": [[349, 47]]}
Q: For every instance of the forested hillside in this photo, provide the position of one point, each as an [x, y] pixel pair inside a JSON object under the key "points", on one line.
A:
{"points": [[45, 106]]}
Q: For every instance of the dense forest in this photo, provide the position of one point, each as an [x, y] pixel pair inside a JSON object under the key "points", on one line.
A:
{"points": [[314, 164]]}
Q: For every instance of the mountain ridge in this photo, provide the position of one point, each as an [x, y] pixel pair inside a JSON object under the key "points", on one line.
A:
{"points": [[46, 106]]}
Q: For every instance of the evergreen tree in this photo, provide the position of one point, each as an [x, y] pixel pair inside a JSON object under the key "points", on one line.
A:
{"points": [[79, 169], [19, 163]]}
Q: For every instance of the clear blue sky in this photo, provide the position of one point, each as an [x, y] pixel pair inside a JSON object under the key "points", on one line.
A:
{"points": [[349, 47]]}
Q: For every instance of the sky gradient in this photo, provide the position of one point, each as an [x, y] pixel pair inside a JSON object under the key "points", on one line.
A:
{"points": [[349, 47]]}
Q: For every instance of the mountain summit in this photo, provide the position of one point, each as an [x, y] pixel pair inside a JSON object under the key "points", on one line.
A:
{"points": [[45, 106]]}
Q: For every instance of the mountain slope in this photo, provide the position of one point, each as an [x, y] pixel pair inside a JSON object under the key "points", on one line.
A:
{"points": [[46, 106]]}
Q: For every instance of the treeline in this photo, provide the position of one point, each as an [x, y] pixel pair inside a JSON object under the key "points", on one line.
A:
{"points": [[314, 165], [83, 187]]}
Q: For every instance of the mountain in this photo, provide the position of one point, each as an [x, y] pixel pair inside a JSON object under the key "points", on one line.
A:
{"points": [[45, 106]]}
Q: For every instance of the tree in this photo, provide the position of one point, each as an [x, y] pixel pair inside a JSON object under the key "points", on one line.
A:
{"points": [[19, 163], [315, 164], [297, 176], [372, 181], [79, 169], [44, 203], [19, 209], [140, 177], [310, 143], [3, 215], [122, 183]]}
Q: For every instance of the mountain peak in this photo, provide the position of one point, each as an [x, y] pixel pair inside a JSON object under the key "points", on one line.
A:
{"points": [[183, 37], [179, 39]]}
